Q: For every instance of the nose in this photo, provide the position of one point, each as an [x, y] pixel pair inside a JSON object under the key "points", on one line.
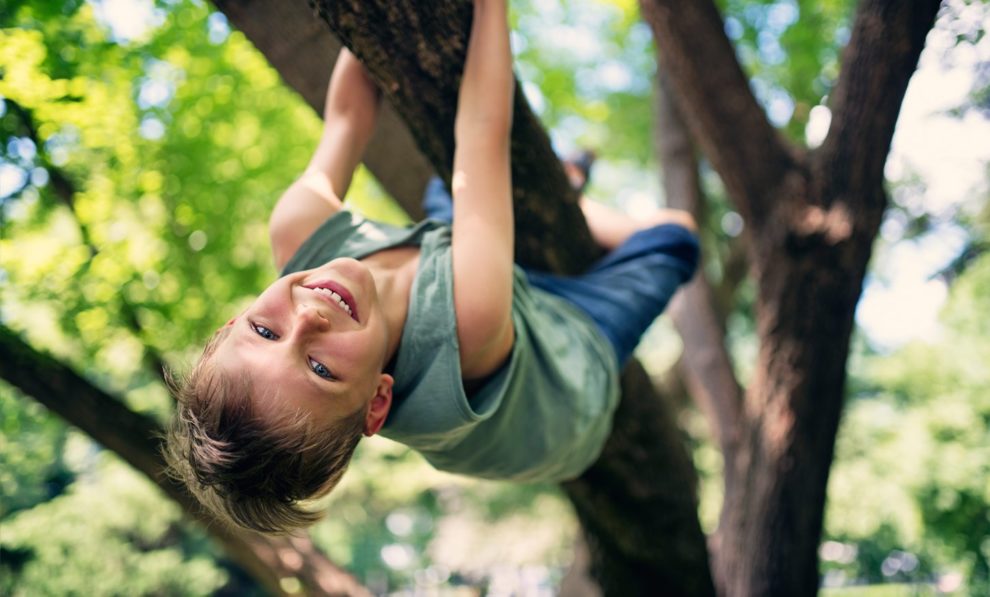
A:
{"points": [[310, 318]]}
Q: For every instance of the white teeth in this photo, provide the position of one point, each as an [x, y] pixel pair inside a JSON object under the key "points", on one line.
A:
{"points": [[340, 301]]}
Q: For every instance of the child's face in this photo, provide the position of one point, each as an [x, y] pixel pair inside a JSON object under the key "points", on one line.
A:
{"points": [[304, 348]]}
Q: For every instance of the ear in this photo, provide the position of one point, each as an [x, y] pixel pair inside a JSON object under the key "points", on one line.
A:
{"points": [[379, 406]]}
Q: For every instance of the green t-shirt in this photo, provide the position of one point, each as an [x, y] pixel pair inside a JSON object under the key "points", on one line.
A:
{"points": [[544, 416]]}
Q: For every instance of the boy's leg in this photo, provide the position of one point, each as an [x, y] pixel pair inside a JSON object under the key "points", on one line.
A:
{"points": [[626, 291]]}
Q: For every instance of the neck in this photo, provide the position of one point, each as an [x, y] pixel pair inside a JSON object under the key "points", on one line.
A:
{"points": [[394, 271]]}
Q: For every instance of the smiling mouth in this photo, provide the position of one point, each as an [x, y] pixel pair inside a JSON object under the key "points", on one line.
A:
{"points": [[336, 295]]}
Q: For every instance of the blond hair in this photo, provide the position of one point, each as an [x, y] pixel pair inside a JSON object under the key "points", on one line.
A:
{"points": [[245, 469]]}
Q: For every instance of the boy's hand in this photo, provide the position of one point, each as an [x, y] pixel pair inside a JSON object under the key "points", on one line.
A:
{"points": [[348, 121]]}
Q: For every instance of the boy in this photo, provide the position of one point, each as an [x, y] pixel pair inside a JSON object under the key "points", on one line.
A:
{"points": [[428, 334]]}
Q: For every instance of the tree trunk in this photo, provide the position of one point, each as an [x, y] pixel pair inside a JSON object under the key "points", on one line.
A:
{"points": [[136, 438], [638, 503]]}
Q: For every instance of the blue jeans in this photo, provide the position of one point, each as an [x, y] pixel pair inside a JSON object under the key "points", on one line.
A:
{"points": [[624, 291]]}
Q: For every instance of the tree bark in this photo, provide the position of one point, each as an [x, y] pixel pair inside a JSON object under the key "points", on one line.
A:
{"points": [[732, 130], [136, 438], [430, 46], [813, 217]]}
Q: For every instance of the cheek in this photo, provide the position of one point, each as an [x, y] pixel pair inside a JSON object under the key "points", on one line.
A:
{"points": [[367, 351]]}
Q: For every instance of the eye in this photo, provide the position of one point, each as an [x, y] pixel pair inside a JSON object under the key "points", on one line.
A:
{"points": [[264, 332], [319, 369]]}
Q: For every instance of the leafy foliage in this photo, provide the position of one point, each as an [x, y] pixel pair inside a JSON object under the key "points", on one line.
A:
{"points": [[115, 537], [31, 445]]}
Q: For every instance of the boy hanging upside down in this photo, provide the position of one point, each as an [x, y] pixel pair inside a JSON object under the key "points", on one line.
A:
{"points": [[429, 334]]}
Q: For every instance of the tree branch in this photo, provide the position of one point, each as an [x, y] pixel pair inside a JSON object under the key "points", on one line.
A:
{"points": [[299, 47], [706, 364], [136, 439], [882, 54], [725, 119]]}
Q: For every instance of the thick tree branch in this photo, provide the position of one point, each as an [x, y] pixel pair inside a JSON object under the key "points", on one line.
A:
{"points": [[811, 221], [706, 364], [882, 54], [809, 272], [136, 439], [725, 119]]}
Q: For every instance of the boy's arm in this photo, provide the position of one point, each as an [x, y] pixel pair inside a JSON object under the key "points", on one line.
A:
{"points": [[482, 241], [348, 121]]}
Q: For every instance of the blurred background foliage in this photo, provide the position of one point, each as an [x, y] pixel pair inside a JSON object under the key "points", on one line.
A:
{"points": [[137, 169]]}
